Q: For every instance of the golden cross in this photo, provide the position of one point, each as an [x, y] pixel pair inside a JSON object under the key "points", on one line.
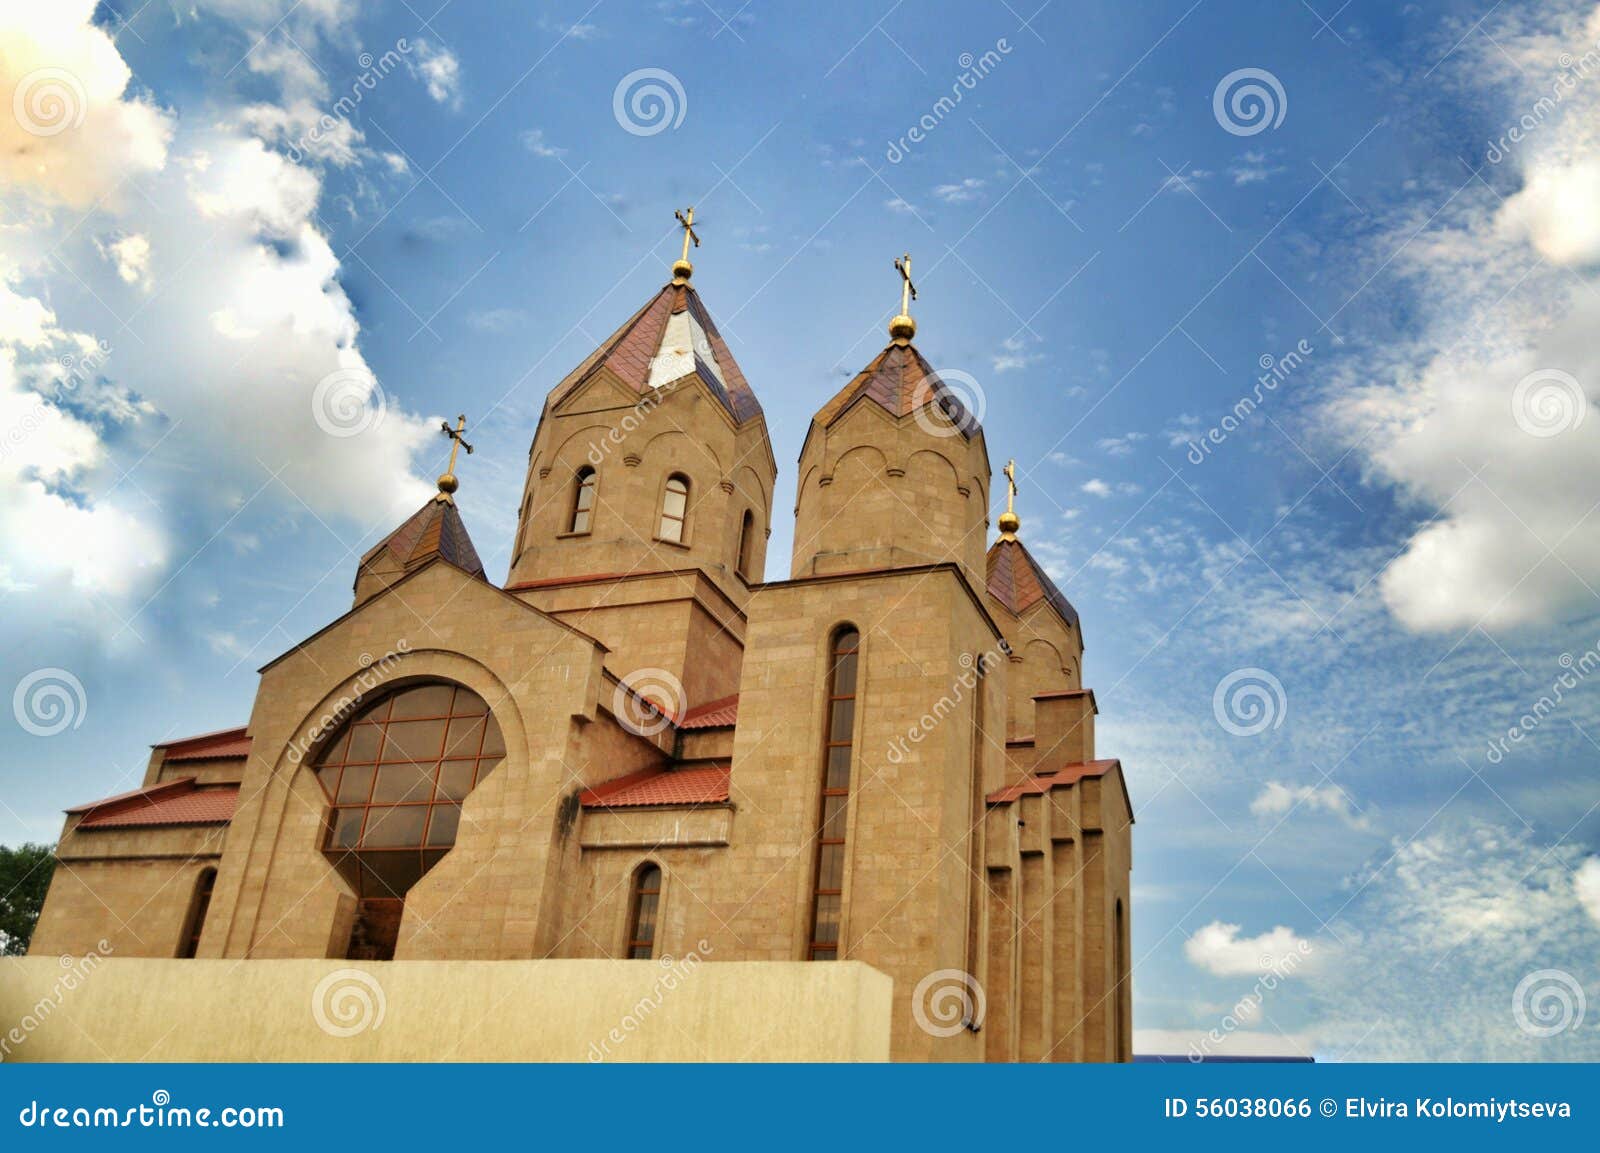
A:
{"points": [[448, 483], [908, 291], [1011, 486], [688, 231]]}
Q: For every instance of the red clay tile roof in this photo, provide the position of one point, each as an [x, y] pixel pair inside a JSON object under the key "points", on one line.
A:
{"points": [[629, 351], [171, 803], [435, 529], [1038, 783], [1017, 581], [720, 714], [223, 745], [901, 382], [700, 785]]}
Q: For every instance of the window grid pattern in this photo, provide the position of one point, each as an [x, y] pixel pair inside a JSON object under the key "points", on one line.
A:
{"points": [[646, 904], [828, 888], [397, 775], [674, 509]]}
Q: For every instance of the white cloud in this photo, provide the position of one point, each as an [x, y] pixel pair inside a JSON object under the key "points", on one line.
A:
{"points": [[1096, 487], [1586, 884], [960, 192], [1120, 445], [1014, 355], [899, 204], [439, 70], [77, 138], [1277, 800], [533, 140], [1218, 948], [1506, 303], [220, 357]]}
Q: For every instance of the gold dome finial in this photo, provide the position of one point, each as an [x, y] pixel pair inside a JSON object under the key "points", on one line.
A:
{"points": [[447, 481], [1010, 522], [682, 270], [902, 328]]}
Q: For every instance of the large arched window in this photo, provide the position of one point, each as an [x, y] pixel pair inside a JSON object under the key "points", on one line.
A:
{"points": [[195, 922], [397, 774], [583, 486], [674, 508], [643, 907], [828, 887], [747, 543]]}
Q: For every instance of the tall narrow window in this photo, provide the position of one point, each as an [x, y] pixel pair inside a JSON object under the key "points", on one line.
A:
{"points": [[828, 892], [642, 912], [1122, 994], [583, 499], [747, 543], [674, 508], [195, 922]]}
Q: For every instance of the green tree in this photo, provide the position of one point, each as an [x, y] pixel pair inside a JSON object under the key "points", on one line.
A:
{"points": [[24, 877]]}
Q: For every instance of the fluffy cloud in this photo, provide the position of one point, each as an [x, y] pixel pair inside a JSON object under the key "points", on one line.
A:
{"points": [[1586, 884], [75, 136], [439, 69], [231, 321], [1218, 948], [1484, 416], [1277, 799]]}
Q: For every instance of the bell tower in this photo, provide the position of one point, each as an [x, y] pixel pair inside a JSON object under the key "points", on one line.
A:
{"points": [[648, 499]]}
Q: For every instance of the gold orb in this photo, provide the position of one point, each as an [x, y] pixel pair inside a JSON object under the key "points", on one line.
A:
{"points": [[1010, 522], [682, 270], [448, 483], [902, 328]]}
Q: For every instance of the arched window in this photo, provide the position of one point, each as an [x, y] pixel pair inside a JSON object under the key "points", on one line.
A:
{"points": [[747, 543], [828, 887], [642, 910], [674, 508], [195, 922], [397, 774], [583, 499]]}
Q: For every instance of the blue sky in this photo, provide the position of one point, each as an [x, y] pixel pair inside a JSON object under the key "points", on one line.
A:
{"points": [[1391, 539]]}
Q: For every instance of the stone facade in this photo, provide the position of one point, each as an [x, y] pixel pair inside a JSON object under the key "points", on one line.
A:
{"points": [[665, 719]]}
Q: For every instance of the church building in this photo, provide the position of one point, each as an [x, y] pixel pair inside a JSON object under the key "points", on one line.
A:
{"points": [[637, 746]]}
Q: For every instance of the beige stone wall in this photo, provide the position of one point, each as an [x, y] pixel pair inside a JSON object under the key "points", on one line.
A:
{"points": [[634, 448], [879, 492], [1046, 655], [693, 1009]]}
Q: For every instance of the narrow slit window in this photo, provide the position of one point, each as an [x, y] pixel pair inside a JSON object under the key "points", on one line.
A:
{"points": [[747, 544], [583, 500], [674, 508], [644, 907], [199, 905], [828, 887]]}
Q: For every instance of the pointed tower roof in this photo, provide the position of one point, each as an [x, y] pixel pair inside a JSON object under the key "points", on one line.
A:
{"points": [[1019, 582], [901, 382], [671, 337], [434, 530]]}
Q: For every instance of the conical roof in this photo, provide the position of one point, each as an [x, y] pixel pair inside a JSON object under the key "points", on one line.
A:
{"points": [[900, 381], [1019, 582], [435, 529], [671, 337]]}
